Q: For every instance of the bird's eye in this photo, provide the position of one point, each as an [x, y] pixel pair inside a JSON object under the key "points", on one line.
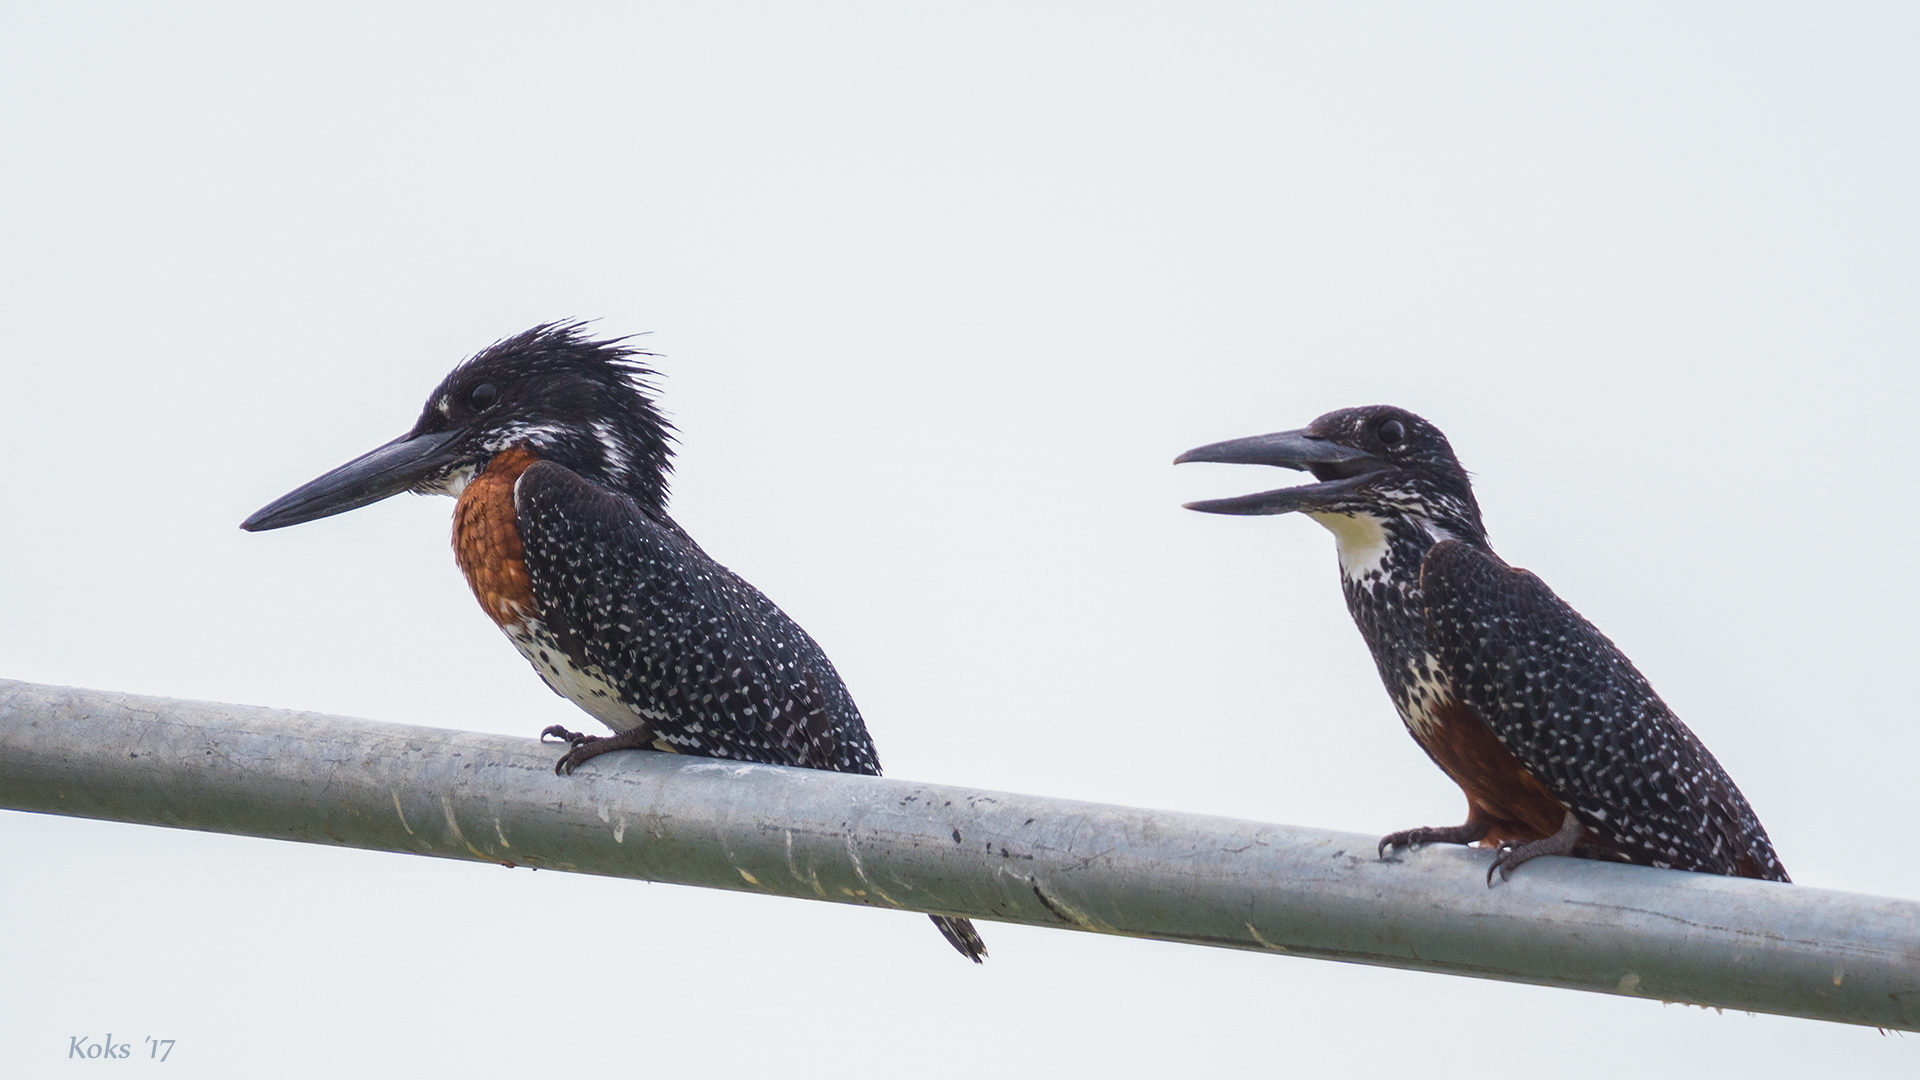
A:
{"points": [[483, 395], [1392, 431]]}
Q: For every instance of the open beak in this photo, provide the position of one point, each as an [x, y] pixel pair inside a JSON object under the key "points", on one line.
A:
{"points": [[375, 475], [1341, 469]]}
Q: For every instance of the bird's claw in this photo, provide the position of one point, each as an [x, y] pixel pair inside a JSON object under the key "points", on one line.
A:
{"points": [[575, 740], [571, 760], [1413, 838], [1407, 838], [583, 747], [1510, 854], [1503, 862]]}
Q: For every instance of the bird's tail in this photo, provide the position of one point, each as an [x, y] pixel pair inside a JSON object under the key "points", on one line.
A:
{"points": [[962, 936]]}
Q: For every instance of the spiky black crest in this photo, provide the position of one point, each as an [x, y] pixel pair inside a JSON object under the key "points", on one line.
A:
{"points": [[587, 404]]}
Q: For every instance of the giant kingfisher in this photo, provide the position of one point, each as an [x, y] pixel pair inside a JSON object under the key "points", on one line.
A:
{"points": [[1556, 739], [557, 455]]}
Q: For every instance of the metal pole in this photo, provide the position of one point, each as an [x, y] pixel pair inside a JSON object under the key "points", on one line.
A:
{"points": [[1583, 925]]}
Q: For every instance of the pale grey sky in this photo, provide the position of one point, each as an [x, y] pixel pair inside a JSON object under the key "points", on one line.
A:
{"points": [[940, 293]]}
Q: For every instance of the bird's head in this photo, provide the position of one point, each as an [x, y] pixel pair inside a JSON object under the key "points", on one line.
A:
{"points": [[551, 391], [1376, 462]]}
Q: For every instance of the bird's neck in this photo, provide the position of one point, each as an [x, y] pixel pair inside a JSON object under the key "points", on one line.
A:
{"points": [[1380, 559], [1381, 549]]}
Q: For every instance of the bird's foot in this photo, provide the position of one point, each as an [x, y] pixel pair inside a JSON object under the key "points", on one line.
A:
{"points": [[1412, 838], [584, 747], [1511, 855]]}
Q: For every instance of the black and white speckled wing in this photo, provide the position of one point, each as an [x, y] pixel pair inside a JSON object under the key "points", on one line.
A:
{"points": [[1582, 718], [712, 664]]}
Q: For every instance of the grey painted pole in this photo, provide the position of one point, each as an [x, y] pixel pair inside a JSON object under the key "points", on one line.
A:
{"points": [[319, 779]]}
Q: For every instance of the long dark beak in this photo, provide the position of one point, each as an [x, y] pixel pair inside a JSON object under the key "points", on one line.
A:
{"points": [[1287, 449], [1340, 468], [375, 475]]}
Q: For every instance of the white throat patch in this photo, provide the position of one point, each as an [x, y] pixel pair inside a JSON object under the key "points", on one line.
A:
{"points": [[452, 484], [1361, 540]]}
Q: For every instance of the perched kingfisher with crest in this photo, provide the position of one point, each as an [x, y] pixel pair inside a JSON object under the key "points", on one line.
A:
{"points": [[557, 455], [1557, 740]]}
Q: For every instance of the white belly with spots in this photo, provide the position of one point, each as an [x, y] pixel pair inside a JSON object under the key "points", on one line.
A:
{"points": [[587, 689], [1426, 687]]}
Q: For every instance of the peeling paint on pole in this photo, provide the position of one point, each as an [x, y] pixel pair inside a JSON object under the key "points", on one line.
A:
{"points": [[1634, 931]]}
